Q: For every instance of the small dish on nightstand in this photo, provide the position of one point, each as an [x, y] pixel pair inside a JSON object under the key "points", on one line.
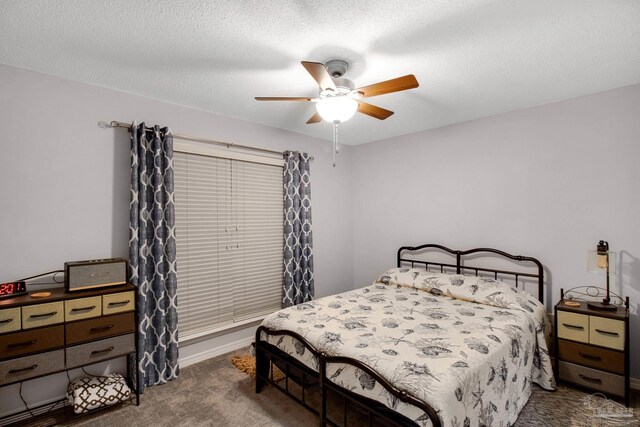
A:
{"points": [[571, 303]]}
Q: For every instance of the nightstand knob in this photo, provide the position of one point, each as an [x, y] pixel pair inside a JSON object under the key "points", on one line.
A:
{"points": [[593, 380], [613, 334], [590, 357], [569, 325]]}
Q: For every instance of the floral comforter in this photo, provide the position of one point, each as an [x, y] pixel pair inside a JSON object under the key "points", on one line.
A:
{"points": [[470, 347]]}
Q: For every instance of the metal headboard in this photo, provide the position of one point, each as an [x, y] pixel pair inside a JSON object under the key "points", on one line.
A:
{"points": [[460, 267]]}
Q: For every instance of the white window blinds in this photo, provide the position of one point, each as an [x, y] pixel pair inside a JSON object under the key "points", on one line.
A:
{"points": [[229, 241]]}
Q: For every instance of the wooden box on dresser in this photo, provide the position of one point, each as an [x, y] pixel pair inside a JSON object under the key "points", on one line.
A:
{"points": [[67, 330], [592, 348]]}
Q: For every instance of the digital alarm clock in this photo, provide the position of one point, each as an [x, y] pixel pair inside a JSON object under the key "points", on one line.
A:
{"points": [[13, 289]]}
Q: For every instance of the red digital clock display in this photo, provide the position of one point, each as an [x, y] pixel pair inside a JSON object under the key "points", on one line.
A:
{"points": [[12, 289]]}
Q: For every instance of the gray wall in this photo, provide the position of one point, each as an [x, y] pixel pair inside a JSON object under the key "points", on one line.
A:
{"points": [[547, 182], [64, 184]]}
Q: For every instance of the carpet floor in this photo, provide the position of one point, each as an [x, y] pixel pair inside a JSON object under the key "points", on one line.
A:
{"points": [[215, 393]]}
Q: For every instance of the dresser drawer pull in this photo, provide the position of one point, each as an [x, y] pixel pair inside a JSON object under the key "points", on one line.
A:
{"points": [[613, 334], [22, 344], [17, 371], [101, 328], [106, 350], [113, 304], [83, 308], [593, 380], [6, 321], [590, 357], [568, 325], [37, 316]]}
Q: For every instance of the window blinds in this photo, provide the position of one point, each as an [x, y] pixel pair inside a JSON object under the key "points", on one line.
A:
{"points": [[229, 241]]}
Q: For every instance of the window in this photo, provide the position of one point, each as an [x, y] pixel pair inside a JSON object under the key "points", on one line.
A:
{"points": [[229, 241]]}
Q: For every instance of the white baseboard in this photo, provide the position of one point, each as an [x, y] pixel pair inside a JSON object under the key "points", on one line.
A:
{"points": [[214, 352]]}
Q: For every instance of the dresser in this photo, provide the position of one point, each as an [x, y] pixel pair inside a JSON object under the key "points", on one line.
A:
{"points": [[592, 348], [43, 336]]}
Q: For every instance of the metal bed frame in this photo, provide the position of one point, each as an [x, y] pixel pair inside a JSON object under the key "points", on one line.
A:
{"points": [[269, 356]]}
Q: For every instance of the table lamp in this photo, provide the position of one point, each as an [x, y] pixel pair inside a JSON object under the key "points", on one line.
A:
{"points": [[602, 260]]}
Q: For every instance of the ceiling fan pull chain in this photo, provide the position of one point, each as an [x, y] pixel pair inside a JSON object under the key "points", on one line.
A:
{"points": [[335, 141]]}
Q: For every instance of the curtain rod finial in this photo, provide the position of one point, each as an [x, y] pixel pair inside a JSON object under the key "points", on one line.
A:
{"points": [[104, 125]]}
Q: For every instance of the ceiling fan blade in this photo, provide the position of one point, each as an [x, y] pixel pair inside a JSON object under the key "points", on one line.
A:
{"points": [[394, 85], [285, 98], [314, 119], [373, 111], [320, 74]]}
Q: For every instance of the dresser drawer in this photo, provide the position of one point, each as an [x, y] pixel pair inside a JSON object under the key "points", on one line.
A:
{"points": [[591, 378], [33, 366], [606, 332], [103, 327], [117, 303], [100, 350], [82, 308], [573, 326], [594, 357], [9, 320], [26, 342], [37, 315]]}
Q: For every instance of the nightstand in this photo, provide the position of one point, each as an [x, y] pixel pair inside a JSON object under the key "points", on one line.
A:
{"points": [[592, 347]]}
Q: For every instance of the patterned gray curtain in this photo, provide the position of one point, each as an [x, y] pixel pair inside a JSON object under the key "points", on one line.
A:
{"points": [[298, 241], [152, 253]]}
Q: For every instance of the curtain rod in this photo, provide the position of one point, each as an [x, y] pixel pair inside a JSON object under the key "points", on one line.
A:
{"points": [[115, 124]]}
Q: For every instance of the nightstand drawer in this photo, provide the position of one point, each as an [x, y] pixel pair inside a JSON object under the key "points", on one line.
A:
{"points": [[117, 303], [593, 357], [26, 342], [104, 327], [37, 315], [96, 351], [606, 332], [32, 366], [573, 326], [9, 320], [593, 379], [82, 308]]}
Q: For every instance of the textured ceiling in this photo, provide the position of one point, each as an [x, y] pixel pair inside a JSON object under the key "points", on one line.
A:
{"points": [[472, 58]]}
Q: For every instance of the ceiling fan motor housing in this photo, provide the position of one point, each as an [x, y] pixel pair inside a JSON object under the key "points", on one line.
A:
{"points": [[336, 68]]}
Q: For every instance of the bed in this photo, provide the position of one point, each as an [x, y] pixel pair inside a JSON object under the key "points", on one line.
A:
{"points": [[429, 343]]}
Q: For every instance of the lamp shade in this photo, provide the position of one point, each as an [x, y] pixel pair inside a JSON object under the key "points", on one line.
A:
{"points": [[339, 108], [601, 262]]}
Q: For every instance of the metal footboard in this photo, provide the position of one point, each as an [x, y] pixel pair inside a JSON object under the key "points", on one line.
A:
{"points": [[375, 413]]}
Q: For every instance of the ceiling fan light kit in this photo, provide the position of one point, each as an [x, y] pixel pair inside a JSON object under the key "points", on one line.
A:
{"points": [[338, 108], [338, 100]]}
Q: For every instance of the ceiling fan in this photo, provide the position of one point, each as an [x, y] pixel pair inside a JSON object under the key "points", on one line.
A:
{"points": [[338, 101]]}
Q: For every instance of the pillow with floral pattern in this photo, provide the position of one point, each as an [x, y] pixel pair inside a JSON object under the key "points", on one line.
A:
{"points": [[478, 289]]}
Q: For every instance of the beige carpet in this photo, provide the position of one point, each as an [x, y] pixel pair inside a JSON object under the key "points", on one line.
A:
{"points": [[215, 393]]}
